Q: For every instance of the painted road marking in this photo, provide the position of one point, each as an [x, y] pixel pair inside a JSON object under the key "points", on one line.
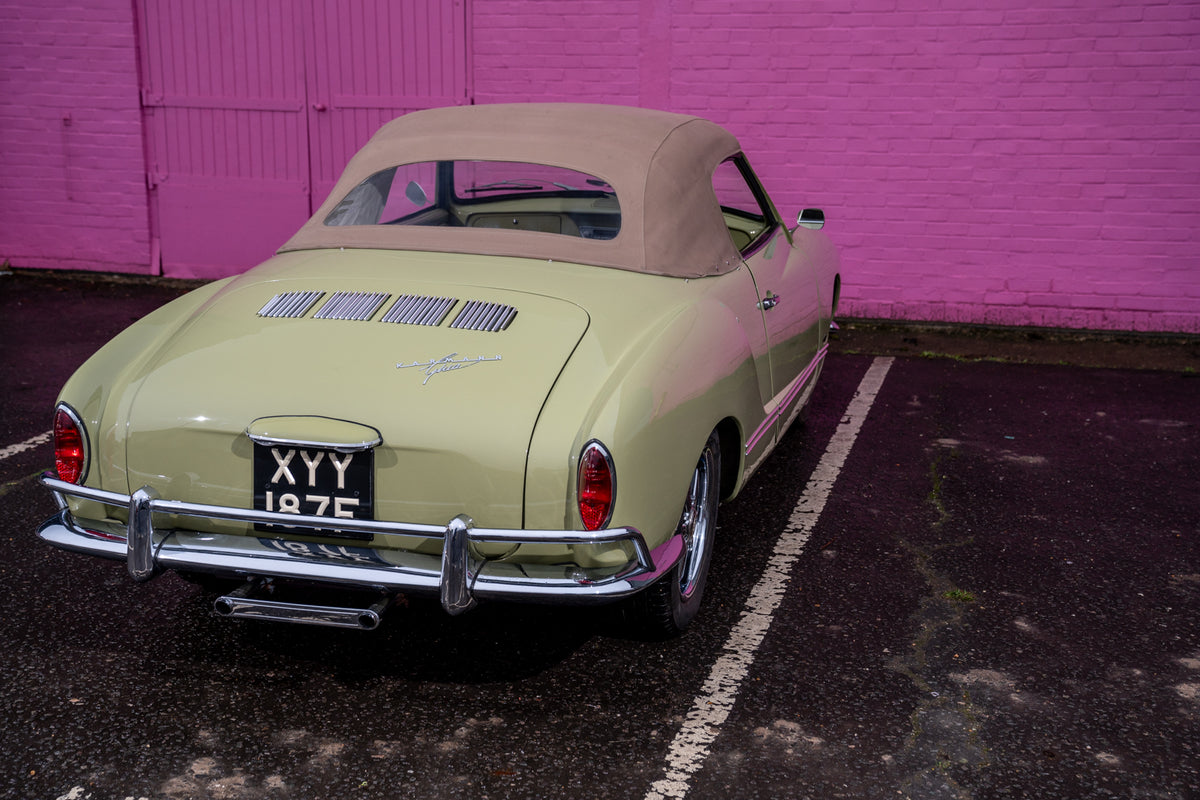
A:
{"points": [[28, 444], [712, 706]]}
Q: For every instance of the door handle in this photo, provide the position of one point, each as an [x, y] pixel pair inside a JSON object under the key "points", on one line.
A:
{"points": [[320, 107], [769, 301]]}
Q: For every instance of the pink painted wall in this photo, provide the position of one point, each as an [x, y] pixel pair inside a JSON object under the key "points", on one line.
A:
{"points": [[72, 170], [1014, 162]]}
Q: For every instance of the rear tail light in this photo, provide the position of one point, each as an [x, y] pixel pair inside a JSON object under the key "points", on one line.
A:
{"points": [[70, 446], [597, 486]]}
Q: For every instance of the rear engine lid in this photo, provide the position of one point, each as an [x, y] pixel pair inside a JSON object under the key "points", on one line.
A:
{"points": [[452, 376]]}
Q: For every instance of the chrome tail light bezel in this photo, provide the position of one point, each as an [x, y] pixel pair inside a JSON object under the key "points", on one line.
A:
{"points": [[76, 421], [597, 447]]}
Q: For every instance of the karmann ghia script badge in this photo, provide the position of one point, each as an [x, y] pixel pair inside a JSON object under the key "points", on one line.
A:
{"points": [[448, 363]]}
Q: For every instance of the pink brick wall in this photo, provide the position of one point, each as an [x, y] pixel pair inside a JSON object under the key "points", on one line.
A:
{"points": [[1016, 163], [989, 161], [72, 170]]}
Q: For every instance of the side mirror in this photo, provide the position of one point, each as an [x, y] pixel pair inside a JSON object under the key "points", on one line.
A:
{"points": [[811, 218]]}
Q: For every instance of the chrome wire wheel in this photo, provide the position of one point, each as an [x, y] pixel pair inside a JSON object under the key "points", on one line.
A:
{"points": [[697, 522], [664, 609]]}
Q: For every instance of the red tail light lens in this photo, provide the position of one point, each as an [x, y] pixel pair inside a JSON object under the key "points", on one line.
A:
{"points": [[597, 486], [70, 450]]}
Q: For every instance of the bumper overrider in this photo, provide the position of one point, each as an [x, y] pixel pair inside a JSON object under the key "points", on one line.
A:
{"points": [[459, 577]]}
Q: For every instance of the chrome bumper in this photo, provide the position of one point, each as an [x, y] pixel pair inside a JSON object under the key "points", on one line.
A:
{"points": [[459, 578]]}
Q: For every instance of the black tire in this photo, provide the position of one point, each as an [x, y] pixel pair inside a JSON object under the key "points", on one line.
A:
{"points": [[665, 609]]}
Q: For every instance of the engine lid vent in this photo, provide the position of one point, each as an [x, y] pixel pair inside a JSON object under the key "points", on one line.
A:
{"points": [[411, 309], [290, 304], [480, 316], [355, 306]]}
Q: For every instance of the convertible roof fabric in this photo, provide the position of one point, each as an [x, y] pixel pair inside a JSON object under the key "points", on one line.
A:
{"points": [[660, 165]]}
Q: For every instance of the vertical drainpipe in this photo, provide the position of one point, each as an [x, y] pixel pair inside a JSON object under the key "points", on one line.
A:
{"points": [[468, 51], [140, 48]]}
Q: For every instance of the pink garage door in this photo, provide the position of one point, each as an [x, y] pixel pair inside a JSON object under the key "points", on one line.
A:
{"points": [[253, 106]]}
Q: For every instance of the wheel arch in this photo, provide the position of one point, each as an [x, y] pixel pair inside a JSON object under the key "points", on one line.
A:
{"points": [[729, 434]]}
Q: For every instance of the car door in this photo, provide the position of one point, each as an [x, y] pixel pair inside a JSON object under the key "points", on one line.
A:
{"points": [[786, 283]]}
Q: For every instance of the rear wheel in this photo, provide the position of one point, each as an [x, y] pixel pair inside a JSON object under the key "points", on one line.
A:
{"points": [[667, 607]]}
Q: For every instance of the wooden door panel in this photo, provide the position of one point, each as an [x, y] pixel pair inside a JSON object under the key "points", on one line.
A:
{"points": [[374, 61], [227, 139], [253, 107]]}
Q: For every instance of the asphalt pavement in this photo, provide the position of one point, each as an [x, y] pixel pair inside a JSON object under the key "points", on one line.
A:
{"points": [[997, 599]]}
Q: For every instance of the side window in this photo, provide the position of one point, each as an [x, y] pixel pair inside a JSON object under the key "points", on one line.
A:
{"points": [[745, 213]]}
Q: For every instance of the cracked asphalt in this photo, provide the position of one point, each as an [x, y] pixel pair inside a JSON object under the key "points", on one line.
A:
{"points": [[999, 600]]}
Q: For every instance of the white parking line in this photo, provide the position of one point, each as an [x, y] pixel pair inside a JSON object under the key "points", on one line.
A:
{"points": [[712, 706], [28, 444]]}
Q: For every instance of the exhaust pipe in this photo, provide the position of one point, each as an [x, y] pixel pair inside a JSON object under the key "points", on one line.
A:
{"points": [[240, 604]]}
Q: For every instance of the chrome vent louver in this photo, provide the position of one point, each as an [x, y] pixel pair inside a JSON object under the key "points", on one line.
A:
{"points": [[290, 304], [411, 309], [356, 306], [480, 316]]}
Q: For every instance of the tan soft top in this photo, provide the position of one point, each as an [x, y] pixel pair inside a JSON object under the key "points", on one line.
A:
{"points": [[659, 164]]}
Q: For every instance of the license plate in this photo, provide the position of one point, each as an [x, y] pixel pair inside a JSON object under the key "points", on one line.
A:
{"points": [[321, 483]]}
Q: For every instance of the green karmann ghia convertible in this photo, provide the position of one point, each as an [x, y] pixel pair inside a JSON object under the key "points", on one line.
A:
{"points": [[520, 353]]}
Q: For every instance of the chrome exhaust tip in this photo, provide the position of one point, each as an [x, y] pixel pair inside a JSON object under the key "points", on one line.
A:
{"points": [[240, 604]]}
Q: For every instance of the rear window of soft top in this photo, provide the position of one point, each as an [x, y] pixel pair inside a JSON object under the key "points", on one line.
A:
{"points": [[484, 194]]}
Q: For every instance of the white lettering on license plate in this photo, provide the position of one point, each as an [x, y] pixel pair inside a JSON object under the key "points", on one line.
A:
{"points": [[284, 461], [319, 483], [290, 504]]}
